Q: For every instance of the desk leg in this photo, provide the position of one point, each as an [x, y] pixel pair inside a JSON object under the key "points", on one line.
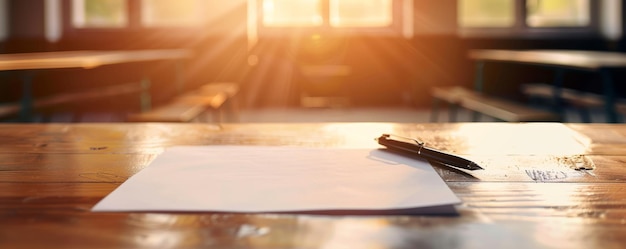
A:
{"points": [[479, 82], [479, 77], [559, 76], [434, 111], [609, 96], [145, 99], [179, 72], [26, 110]]}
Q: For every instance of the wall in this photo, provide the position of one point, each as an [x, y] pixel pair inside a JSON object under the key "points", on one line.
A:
{"points": [[4, 20], [443, 51], [385, 70], [389, 70], [219, 46]]}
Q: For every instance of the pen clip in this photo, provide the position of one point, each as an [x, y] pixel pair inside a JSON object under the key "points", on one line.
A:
{"points": [[418, 142]]}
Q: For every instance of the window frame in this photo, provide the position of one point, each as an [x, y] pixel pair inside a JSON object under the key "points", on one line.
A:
{"points": [[72, 14], [134, 26], [521, 29], [393, 29], [140, 16]]}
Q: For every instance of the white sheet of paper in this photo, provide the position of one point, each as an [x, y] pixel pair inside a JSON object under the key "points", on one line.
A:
{"points": [[279, 179]]}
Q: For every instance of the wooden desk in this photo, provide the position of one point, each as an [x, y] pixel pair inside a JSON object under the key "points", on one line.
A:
{"points": [[30, 62], [560, 60], [529, 196]]}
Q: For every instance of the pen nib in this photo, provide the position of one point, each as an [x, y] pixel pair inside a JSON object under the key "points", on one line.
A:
{"points": [[473, 166]]}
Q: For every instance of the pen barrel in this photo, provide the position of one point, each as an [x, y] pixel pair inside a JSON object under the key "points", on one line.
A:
{"points": [[445, 158], [434, 155]]}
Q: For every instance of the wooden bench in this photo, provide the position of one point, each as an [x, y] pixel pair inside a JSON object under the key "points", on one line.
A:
{"points": [[581, 100], [10, 110], [451, 96], [497, 108], [214, 98], [171, 112]]}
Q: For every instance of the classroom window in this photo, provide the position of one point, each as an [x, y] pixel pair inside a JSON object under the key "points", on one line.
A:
{"points": [[165, 13], [292, 13], [360, 13], [333, 13], [99, 13], [529, 18], [557, 13], [486, 13]]}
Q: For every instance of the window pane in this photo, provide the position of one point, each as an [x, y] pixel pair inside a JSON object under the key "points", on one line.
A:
{"points": [[361, 13], [281, 13], [557, 13], [171, 13], [99, 13], [486, 13]]}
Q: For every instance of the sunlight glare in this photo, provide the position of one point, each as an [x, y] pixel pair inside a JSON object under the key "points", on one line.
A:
{"points": [[531, 139], [172, 13], [300, 13], [359, 135], [359, 13]]}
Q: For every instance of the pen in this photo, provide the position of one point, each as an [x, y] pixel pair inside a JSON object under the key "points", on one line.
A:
{"points": [[418, 148]]}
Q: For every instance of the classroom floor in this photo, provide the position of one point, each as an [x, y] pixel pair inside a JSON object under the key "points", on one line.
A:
{"points": [[345, 114], [287, 115], [380, 114]]}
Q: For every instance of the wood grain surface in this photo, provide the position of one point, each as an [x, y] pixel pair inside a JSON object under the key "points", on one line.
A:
{"points": [[85, 59], [545, 185], [580, 59]]}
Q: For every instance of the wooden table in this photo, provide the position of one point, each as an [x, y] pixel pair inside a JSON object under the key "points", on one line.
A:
{"points": [[560, 60], [528, 196], [29, 63]]}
